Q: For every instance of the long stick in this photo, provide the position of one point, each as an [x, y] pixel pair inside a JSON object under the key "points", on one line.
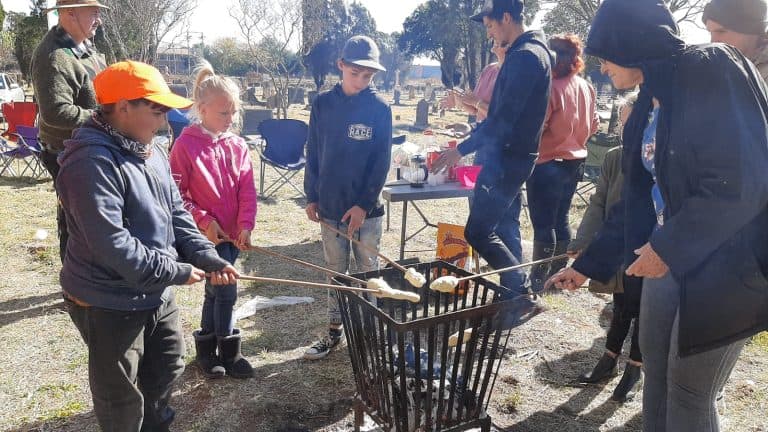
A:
{"points": [[365, 246], [306, 284], [307, 264], [514, 267]]}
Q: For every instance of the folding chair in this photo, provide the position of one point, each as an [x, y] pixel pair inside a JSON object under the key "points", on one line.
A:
{"points": [[597, 147], [283, 143], [177, 120], [26, 154], [18, 113]]}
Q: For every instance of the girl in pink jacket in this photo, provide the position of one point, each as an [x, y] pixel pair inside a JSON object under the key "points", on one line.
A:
{"points": [[212, 167]]}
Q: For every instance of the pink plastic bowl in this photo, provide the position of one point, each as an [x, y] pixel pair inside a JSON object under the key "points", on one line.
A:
{"points": [[467, 175]]}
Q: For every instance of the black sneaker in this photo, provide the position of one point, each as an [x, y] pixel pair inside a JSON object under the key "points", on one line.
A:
{"points": [[323, 347]]}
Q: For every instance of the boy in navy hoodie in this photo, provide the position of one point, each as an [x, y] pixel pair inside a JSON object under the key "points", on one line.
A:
{"points": [[348, 157]]}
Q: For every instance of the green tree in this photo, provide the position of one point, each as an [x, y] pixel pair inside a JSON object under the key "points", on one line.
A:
{"points": [[229, 56], [2, 16], [327, 24], [431, 30], [392, 58], [27, 32], [443, 31], [360, 21]]}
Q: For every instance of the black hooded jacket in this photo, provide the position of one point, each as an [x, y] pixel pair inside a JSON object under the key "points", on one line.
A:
{"points": [[711, 162]]}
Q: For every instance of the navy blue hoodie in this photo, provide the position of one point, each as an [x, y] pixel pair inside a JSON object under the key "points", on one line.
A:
{"points": [[519, 102], [348, 152], [711, 159], [129, 234]]}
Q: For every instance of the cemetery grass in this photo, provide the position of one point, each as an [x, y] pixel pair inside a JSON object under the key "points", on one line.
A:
{"points": [[44, 381]]}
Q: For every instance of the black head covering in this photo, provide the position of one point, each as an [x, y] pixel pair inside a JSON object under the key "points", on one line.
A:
{"points": [[632, 32]]}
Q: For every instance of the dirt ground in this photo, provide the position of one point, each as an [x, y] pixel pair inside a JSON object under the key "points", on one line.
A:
{"points": [[44, 381]]}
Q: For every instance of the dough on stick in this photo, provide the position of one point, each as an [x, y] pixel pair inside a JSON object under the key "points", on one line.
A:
{"points": [[415, 278], [384, 290], [446, 284], [453, 339]]}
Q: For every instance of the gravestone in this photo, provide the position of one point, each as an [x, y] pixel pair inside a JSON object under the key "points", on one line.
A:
{"points": [[296, 95], [422, 114], [428, 91], [311, 96], [411, 93], [397, 95], [252, 117]]}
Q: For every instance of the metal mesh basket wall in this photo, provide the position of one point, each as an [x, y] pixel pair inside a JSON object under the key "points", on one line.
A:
{"points": [[410, 375]]}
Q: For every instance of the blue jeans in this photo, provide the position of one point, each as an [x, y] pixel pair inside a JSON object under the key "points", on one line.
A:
{"points": [[495, 208], [508, 229], [220, 300], [336, 250], [550, 191], [679, 393]]}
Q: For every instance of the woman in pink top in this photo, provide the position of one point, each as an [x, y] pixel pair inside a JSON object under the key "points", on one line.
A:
{"points": [[476, 103], [212, 168], [571, 120]]}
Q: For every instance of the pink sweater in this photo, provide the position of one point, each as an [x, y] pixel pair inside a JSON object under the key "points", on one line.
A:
{"points": [[571, 120], [215, 179], [484, 87]]}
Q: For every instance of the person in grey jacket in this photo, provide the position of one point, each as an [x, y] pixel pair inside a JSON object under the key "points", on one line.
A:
{"points": [[130, 240]]}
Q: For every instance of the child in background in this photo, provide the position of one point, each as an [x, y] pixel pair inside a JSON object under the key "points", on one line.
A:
{"points": [[348, 157], [213, 170]]}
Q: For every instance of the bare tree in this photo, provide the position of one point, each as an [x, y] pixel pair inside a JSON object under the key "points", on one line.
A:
{"points": [[272, 30], [134, 29], [575, 16]]}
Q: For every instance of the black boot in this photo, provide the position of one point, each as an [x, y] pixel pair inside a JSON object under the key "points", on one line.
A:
{"points": [[605, 368], [229, 352], [206, 357], [628, 381], [561, 247], [539, 272]]}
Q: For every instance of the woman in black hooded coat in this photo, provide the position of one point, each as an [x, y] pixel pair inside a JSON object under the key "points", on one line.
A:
{"points": [[692, 220]]}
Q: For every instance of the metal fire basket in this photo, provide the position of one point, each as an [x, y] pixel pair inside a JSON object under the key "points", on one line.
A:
{"points": [[427, 366]]}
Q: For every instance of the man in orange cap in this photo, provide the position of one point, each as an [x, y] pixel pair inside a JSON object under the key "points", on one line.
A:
{"points": [[63, 66], [130, 240]]}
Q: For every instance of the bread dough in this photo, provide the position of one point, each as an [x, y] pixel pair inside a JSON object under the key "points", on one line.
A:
{"points": [[415, 278], [384, 290], [446, 284], [453, 339]]}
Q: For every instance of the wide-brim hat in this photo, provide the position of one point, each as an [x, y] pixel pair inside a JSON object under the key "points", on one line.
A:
{"points": [[69, 4], [130, 80]]}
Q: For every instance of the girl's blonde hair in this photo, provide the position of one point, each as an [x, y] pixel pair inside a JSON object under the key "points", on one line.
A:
{"points": [[208, 83]]}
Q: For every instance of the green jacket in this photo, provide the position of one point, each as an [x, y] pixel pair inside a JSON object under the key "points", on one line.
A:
{"points": [[62, 78], [607, 193]]}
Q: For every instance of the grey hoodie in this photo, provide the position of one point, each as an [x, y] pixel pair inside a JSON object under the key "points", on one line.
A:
{"points": [[130, 237]]}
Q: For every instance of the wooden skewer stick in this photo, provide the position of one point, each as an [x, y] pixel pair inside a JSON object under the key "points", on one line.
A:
{"points": [[514, 267], [365, 246], [307, 264], [306, 284]]}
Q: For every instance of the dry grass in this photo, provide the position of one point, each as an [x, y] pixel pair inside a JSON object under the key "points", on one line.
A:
{"points": [[44, 384]]}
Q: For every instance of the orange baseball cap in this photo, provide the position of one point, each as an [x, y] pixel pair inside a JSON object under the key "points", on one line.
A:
{"points": [[131, 80]]}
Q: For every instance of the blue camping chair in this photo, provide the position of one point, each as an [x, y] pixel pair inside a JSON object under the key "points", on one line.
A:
{"points": [[26, 153], [177, 120], [283, 143]]}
